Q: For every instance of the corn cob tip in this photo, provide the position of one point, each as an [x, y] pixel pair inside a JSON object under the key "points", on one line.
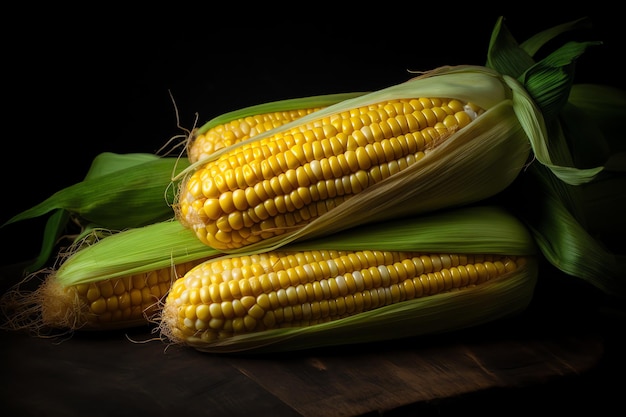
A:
{"points": [[55, 308], [166, 324]]}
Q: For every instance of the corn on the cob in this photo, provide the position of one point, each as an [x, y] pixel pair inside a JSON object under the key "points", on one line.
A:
{"points": [[253, 301], [239, 125], [223, 298], [118, 281], [279, 182], [102, 305]]}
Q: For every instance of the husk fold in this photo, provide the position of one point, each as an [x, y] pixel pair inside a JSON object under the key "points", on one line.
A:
{"points": [[131, 252]]}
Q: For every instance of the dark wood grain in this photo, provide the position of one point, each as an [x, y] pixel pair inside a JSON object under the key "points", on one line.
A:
{"points": [[130, 373]]}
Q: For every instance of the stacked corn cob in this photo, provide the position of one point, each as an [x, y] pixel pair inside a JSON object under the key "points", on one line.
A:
{"points": [[407, 175], [109, 277]]}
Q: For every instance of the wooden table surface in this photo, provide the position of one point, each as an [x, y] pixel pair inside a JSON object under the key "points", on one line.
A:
{"points": [[561, 358], [557, 358]]}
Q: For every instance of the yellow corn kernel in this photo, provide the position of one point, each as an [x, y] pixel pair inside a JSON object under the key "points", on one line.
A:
{"points": [[240, 129], [283, 181], [323, 286], [107, 304]]}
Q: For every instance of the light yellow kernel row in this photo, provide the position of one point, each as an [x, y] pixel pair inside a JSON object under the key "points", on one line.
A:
{"points": [[293, 289]]}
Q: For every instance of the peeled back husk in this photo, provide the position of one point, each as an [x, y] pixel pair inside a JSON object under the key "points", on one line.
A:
{"points": [[472, 164]]}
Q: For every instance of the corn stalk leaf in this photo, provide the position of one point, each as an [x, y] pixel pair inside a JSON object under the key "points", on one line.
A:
{"points": [[55, 226], [133, 195], [82, 202]]}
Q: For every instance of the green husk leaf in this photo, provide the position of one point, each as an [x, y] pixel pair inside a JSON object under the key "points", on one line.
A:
{"points": [[533, 44], [579, 139], [278, 106], [504, 53], [549, 81], [511, 58], [462, 230], [571, 234], [133, 251], [132, 196], [530, 118], [542, 89], [55, 225], [106, 163], [567, 245], [103, 165]]}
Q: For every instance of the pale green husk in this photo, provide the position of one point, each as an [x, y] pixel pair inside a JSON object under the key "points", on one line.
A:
{"points": [[471, 229], [133, 251]]}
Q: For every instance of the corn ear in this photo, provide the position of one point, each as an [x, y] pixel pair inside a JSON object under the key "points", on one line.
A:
{"points": [[106, 281], [217, 316], [445, 176]]}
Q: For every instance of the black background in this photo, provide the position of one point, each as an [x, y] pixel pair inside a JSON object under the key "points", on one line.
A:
{"points": [[81, 81], [78, 82]]}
